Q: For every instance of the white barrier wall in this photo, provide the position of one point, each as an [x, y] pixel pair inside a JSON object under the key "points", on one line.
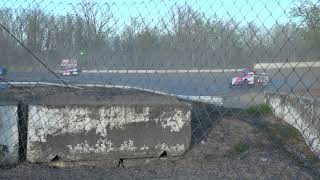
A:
{"points": [[9, 136], [286, 65], [303, 113], [84, 132]]}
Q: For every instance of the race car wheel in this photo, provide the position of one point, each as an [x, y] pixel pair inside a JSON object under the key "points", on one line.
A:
{"points": [[245, 82]]}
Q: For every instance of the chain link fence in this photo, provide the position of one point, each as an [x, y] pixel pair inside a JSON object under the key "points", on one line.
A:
{"points": [[174, 89]]}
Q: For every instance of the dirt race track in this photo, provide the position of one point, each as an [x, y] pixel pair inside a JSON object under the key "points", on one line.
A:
{"points": [[235, 148]]}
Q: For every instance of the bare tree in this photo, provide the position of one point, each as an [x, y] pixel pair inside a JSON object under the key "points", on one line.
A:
{"points": [[97, 20]]}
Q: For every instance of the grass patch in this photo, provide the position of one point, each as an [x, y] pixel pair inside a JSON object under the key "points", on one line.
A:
{"points": [[262, 109], [240, 148], [281, 132], [287, 132]]}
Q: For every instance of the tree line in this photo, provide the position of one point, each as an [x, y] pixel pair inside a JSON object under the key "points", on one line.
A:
{"points": [[183, 39]]}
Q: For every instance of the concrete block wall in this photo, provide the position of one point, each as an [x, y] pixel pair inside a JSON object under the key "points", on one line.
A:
{"points": [[9, 136], [125, 125], [79, 132], [303, 113]]}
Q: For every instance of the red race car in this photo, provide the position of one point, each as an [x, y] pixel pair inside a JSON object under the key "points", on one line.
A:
{"points": [[249, 77], [246, 77]]}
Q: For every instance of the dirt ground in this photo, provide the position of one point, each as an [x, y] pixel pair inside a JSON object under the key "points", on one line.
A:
{"points": [[235, 148], [54, 95]]}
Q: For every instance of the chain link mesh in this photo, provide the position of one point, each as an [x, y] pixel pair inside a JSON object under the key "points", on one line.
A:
{"points": [[248, 69]]}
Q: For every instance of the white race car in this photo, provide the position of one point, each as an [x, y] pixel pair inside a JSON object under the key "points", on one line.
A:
{"points": [[69, 67], [69, 72], [262, 79]]}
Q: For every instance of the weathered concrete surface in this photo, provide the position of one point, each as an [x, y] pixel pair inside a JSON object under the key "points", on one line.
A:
{"points": [[127, 125], [9, 136], [216, 158], [303, 113]]}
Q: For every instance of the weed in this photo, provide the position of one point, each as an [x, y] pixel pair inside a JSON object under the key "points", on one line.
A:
{"points": [[262, 109], [240, 148]]}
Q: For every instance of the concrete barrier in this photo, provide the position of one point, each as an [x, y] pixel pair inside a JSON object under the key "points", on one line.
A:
{"points": [[125, 127], [9, 136], [283, 65], [216, 100], [161, 71], [303, 113]]}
